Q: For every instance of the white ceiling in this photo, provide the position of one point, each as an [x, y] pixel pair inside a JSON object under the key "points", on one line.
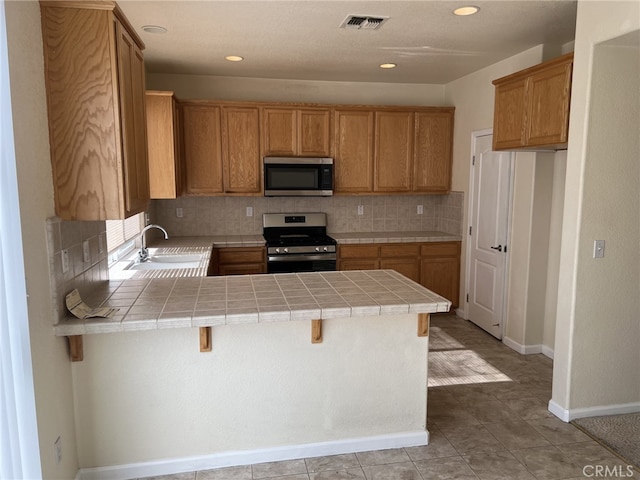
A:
{"points": [[302, 39]]}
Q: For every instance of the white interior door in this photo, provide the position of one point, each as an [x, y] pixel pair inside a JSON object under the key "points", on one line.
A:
{"points": [[489, 211]]}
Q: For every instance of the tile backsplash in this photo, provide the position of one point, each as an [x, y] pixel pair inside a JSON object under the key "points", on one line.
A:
{"points": [[69, 236], [387, 213]]}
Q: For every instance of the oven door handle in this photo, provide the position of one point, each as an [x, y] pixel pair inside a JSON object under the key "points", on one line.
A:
{"points": [[302, 258]]}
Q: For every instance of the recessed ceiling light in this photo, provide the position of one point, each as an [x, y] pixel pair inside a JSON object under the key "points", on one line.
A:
{"points": [[464, 11], [388, 65], [234, 58], [154, 29]]}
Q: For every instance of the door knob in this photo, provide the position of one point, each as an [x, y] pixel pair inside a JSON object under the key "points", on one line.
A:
{"points": [[499, 248]]}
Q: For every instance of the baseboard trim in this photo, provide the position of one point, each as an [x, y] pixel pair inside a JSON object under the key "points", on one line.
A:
{"points": [[528, 349], [547, 352], [575, 413], [247, 457]]}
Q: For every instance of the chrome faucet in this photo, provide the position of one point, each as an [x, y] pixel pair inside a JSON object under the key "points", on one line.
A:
{"points": [[143, 254]]}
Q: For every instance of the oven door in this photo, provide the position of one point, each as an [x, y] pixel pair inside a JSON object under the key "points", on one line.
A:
{"points": [[301, 263]]}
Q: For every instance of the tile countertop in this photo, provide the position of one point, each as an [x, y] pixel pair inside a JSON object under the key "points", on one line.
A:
{"points": [[153, 303]]}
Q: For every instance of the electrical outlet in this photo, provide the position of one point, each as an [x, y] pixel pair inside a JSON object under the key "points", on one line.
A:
{"points": [[100, 243], [65, 261], [179, 212], [420, 210], [86, 252], [360, 209], [57, 450], [249, 211]]}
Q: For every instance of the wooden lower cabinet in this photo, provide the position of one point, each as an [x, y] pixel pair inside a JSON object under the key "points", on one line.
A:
{"points": [[360, 264], [409, 267], [435, 265], [440, 269], [238, 261]]}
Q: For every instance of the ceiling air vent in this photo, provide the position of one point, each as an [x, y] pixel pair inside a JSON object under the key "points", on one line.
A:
{"points": [[363, 22]]}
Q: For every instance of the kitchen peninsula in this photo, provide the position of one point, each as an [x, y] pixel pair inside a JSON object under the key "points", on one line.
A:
{"points": [[299, 365]]}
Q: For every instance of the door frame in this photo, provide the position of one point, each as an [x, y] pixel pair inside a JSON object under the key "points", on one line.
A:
{"points": [[474, 139]]}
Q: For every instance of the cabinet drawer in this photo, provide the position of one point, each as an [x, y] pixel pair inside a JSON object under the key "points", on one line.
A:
{"points": [[240, 255], [242, 269], [400, 250], [440, 249], [358, 251], [359, 264]]}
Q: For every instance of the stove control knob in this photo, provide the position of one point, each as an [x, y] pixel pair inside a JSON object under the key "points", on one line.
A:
{"points": [[277, 250], [286, 250], [317, 249], [325, 249]]}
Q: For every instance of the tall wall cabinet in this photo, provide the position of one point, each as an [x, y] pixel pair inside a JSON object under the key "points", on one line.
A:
{"points": [[94, 71]]}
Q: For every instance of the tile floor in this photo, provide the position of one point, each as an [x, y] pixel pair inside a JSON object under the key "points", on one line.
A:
{"points": [[488, 420]]}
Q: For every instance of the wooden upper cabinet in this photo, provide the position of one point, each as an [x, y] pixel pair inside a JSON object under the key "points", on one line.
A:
{"points": [[94, 77], [393, 151], [353, 150], [314, 132], [532, 106], [241, 149], [165, 165], [202, 147], [549, 95], [433, 150], [279, 132], [292, 132], [509, 115]]}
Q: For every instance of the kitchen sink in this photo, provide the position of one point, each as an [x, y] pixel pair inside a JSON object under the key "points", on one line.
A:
{"points": [[157, 262]]}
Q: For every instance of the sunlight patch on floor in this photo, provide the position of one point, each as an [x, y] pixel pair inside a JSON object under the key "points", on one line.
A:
{"points": [[461, 367]]}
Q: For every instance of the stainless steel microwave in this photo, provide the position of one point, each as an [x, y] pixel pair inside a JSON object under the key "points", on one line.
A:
{"points": [[298, 177]]}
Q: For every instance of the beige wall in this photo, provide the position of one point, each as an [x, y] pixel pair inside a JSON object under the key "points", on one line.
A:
{"points": [[597, 332], [51, 367], [272, 90]]}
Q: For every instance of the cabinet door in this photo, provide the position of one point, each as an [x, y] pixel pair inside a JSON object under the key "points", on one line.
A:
{"points": [[353, 163], [313, 133], [409, 267], [509, 115], [133, 123], [202, 150], [548, 103], [442, 276], [279, 131], [162, 137], [433, 147], [241, 142], [393, 151]]}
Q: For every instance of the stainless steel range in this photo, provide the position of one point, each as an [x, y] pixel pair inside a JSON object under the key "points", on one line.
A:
{"points": [[298, 242]]}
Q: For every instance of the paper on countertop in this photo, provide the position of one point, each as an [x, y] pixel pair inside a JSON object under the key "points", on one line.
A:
{"points": [[81, 310]]}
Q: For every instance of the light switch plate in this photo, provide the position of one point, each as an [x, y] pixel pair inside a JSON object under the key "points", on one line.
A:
{"points": [[360, 209], [598, 248], [420, 210], [249, 211], [179, 212], [86, 252], [65, 260]]}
